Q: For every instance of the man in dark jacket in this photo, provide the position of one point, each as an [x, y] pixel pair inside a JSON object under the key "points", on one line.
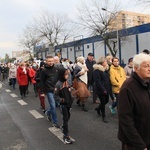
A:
{"points": [[134, 107], [49, 77], [89, 63]]}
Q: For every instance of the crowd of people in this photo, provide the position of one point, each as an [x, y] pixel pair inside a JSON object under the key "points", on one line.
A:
{"points": [[63, 81]]}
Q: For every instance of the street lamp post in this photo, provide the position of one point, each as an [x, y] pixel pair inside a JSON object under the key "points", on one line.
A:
{"points": [[116, 25]]}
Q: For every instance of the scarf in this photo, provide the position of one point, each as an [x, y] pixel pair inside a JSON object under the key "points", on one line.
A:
{"points": [[24, 70], [84, 69]]}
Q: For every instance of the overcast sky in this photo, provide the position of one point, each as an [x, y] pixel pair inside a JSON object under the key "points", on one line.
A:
{"points": [[16, 14]]}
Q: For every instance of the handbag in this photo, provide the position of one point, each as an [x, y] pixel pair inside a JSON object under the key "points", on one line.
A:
{"points": [[66, 95]]}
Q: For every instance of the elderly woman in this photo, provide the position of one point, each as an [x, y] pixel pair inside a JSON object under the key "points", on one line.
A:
{"points": [[80, 82], [22, 79], [102, 80]]}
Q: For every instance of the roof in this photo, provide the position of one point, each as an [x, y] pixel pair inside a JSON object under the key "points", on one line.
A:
{"points": [[122, 33]]}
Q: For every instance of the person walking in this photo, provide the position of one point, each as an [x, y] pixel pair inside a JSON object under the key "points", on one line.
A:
{"points": [[134, 106], [13, 75], [91, 84], [22, 79], [117, 77], [32, 73], [49, 77], [102, 81], [80, 82], [62, 94], [38, 86]]}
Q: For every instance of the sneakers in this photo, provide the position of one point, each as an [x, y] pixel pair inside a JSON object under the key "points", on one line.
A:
{"points": [[67, 140], [48, 116], [44, 111], [112, 110], [56, 125]]}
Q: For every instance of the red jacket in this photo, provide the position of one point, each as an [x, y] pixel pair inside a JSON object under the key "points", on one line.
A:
{"points": [[22, 76], [32, 75]]}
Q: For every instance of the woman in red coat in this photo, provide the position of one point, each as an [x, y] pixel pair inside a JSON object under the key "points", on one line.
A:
{"points": [[22, 79]]}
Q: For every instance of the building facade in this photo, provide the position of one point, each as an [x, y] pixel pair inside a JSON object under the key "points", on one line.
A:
{"points": [[125, 19], [137, 39]]}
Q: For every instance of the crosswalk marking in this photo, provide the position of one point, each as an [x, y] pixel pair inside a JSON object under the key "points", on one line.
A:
{"points": [[58, 133], [21, 102], [36, 114], [13, 95], [7, 90]]}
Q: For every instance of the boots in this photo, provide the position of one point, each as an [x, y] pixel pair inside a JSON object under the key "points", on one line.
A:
{"points": [[104, 120], [78, 102], [98, 111], [84, 108]]}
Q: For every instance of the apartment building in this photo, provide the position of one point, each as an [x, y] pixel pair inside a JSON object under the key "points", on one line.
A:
{"points": [[126, 19]]}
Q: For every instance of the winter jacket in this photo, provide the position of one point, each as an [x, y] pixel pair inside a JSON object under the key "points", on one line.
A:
{"points": [[22, 76], [32, 73], [117, 77], [13, 72], [49, 77], [59, 95], [101, 79], [89, 65], [37, 78], [133, 113], [62, 92], [128, 70]]}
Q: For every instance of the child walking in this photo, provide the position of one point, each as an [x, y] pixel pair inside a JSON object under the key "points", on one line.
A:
{"points": [[62, 94]]}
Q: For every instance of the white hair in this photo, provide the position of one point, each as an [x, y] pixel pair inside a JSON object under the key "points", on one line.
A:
{"points": [[139, 59], [56, 57], [80, 59]]}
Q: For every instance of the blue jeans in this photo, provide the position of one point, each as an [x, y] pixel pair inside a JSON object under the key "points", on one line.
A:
{"points": [[115, 104], [52, 109], [13, 80]]}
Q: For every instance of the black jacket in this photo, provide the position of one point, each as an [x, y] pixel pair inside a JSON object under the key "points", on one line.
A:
{"points": [[134, 113], [89, 65], [101, 79], [63, 90], [48, 78]]}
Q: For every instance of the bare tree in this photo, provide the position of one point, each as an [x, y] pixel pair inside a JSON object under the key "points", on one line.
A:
{"points": [[54, 28], [144, 1], [140, 5], [28, 39], [96, 21]]}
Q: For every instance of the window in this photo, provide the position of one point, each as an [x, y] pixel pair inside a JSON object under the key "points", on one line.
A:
{"points": [[123, 16], [123, 26], [123, 20], [88, 46]]}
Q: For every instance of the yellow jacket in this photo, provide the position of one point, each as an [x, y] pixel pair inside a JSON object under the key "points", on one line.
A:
{"points": [[117, 77]]}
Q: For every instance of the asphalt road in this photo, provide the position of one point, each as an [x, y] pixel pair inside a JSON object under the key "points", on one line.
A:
{"points": [[23, 126]]}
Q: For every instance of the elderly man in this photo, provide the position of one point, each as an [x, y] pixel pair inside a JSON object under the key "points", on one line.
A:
{"points": [[134, 106], [57, 62]]}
